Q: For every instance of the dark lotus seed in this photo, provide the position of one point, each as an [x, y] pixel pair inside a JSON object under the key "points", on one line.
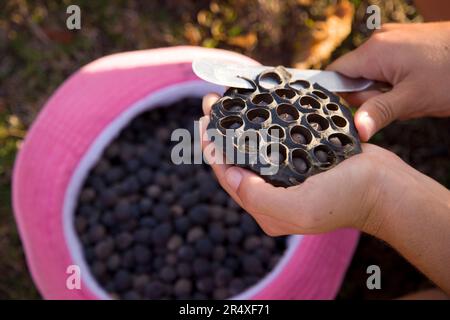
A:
{"points": [[234, 235], [216, 233], [98, 269], [171, 259], [123, 240], [145, 176], [236, 286], [177, 210], [174, 242], [258, 119], [286, 117], [321, 155], [183, 287], [182, 224], [131, 295], [153, 191], [316, 126], [219, 253], [142, 254], [204, 246], [252, 243], [161, 211], [222, 277], [158, 262], [128, 259], [299, 138], [108, 219], [231, 263], [148, 222], [140, 281], [198, 214], [335, 141], [232, 218], [186, 253], [205, 285], [122, 211], [87, 195], [168, 274], [113, 262], [299, 164], [143, 235], [252, 264], [145, 205], [216, 212], [184, 270], [189, 199], [220, 294], [154, 290], [201, 267], [248, 224], [104, 248], [96, 233], [80, 224], [194, 234], [161, 233], [122, 280]]}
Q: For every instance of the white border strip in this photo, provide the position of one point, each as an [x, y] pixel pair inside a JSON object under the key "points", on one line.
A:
{"points": [[163, 97]]}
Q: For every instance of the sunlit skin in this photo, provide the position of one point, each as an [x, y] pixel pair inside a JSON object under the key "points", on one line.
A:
{"points": [[375, 191]]}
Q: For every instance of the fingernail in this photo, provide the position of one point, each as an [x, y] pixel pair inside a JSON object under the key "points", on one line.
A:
{"points": [[366, 121], [233, 177]]}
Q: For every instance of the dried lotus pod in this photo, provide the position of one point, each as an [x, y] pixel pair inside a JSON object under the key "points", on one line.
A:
{"points": [[283, 129]]}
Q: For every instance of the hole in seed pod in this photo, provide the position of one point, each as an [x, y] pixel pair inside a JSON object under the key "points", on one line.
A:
{"points": [[300, 160], [300, 135], [287, 112], [269, 80], [231, 122], [324, 154], [249, 141], [233, 105], [332, 106], [320, 94], [275, 131], [339, 121], [258, 115], [309, 102], [300, 84], [245, 91], [340, 140], [262, 99], [276, 153], [317, 122], [285, 93]]}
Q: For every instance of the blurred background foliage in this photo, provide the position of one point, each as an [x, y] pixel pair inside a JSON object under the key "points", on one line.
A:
{"points": [[37, 52]]}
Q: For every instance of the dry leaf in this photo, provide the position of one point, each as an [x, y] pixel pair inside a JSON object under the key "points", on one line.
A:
{"points": [[246, 41], [326, 36]]}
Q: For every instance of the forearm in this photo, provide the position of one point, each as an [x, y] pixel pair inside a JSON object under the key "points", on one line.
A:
{"points": [[417, 224]]}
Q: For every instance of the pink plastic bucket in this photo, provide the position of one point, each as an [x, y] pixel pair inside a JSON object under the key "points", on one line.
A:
{"points": [[81, 118]]}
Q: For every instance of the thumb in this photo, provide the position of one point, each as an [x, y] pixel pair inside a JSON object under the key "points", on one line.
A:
{"points": [[256, 195], [380, 110]]}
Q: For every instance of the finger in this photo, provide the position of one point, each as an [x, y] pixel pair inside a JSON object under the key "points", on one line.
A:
{"points": [[215, 158], [356, 99], [208, 101], [361, 62], [257, 196], [380, 110]]}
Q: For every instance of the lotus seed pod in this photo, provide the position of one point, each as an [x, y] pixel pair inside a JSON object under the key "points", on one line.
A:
{"points": [[283, 129]]}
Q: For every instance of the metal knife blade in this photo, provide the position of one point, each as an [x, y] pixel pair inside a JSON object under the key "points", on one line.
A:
{"points": [[231, 74]]}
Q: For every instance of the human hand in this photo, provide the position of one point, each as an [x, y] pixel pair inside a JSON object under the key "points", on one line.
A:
{"points": [[346, 196], [415, 60]]}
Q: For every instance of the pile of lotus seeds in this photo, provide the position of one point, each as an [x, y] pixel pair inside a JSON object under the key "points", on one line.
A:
{"points": [[151, 229]]}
